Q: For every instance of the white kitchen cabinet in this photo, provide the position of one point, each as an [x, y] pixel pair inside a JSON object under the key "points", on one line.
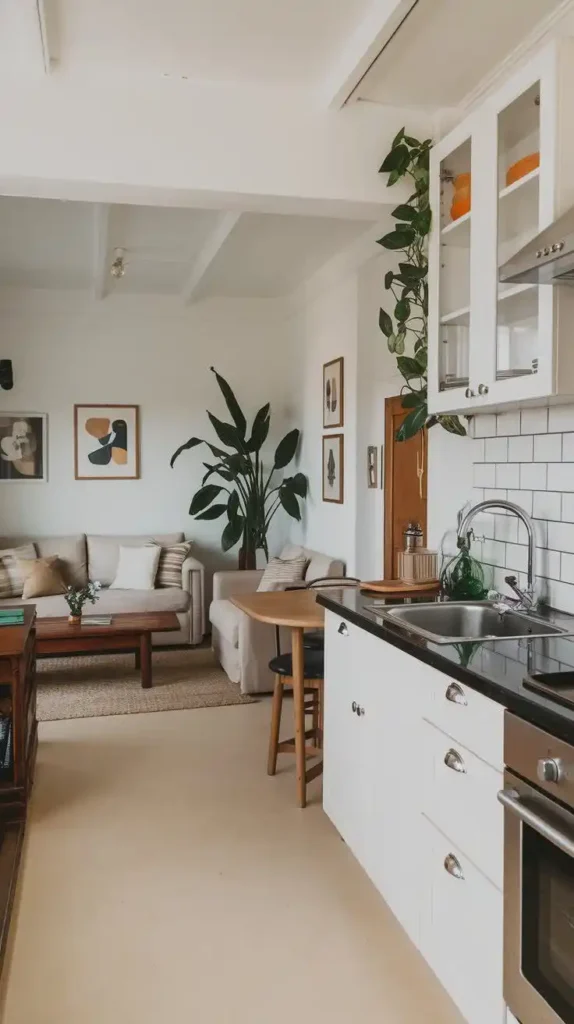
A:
{"points": [[493, 344]]}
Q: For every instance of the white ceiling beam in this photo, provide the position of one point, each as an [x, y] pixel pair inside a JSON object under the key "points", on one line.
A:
{"points": [[211, 248], [376, 29], [101, 235]]}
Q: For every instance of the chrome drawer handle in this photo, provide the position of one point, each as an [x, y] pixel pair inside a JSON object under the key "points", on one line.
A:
{"points": [[453, 760], [453, 866], [455, 694], [343, 630]]}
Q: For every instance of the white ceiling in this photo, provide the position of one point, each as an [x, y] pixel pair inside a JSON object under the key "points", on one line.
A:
{"points": [[45, 243], [446, 47]]}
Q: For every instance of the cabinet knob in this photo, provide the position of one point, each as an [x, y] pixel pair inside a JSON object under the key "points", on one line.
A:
{"points": [[453, 760], [483, 389], [469, 393], [453, 866], [455, 693], [343, 630], [550, 769]]}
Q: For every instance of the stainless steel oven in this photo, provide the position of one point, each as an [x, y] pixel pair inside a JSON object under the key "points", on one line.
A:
{"points": [[538, 799]]}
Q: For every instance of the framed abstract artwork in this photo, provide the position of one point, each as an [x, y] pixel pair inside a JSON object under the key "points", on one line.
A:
{"points": [[23, 447], [333, 468], [333, 393], [106, 442]]}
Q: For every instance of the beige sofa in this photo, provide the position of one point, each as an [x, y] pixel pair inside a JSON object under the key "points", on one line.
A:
{"points": [[96, 557], [243, 646]]}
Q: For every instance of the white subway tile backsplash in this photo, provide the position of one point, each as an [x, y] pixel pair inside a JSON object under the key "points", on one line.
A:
{"points": [[507, 474], [540, 533], [494, 494], [485, 426], [568, 508], [478, 450], [494, 552], [533, 476], [484, 474], [561, 536], [561, 595], [520, 449], [560, 418], [534, 421], [508, 423], [567, 573], [506, 528], [496, 449], [549, 564], [568, 447], [547, 505], [516, 557], [548, 448], [522, 498], [561, 476]]}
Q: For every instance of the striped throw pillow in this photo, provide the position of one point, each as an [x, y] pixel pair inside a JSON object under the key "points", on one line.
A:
{"points": [[170, 563], [11, 575], [280, 572]]}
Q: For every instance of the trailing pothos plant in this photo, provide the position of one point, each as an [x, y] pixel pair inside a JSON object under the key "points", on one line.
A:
{"points": [[406, 329], [248, 497]]}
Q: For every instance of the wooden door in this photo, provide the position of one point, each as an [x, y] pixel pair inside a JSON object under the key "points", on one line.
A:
{"points": [[405, 484]]}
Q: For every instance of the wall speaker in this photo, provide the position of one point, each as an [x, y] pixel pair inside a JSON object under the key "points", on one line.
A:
{"points": [[6, 374]]}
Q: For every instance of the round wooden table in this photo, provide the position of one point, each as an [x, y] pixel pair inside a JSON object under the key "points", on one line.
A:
{"points": [[297, 610]]}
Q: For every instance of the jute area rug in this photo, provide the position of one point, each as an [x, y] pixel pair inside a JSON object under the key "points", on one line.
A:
{"points": [[108, 684]]}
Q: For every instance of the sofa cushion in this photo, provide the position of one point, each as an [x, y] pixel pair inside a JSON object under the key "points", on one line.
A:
{"points": [[319, 565], [137, 567], [280, 572], [112, 602], [104, 551], [42, 576], [169, 570], [224, 615], [71, 550]]}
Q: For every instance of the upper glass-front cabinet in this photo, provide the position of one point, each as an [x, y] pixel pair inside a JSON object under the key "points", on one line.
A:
{"points": [[512, 163]]}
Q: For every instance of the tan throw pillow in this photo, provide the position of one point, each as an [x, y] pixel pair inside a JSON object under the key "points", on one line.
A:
{"points": [[42, 577], [11, 578], [280, 572], [170, 563]]}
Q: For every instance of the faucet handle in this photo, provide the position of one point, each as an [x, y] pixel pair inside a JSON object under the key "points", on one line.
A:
{"points": [[511, 580]]}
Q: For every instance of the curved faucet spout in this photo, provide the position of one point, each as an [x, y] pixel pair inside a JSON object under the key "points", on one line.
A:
{"points": [[526, 598]]}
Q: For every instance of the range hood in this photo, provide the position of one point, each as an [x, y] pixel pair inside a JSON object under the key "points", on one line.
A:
{"points": [[547, 259]]}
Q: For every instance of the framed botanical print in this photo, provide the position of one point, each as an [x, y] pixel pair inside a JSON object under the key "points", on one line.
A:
{"points": [[23, 447], [333, 468], [106, 442], [333, 393]]}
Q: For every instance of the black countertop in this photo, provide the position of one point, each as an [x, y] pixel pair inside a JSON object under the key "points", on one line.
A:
{"points": [[496, 669]]}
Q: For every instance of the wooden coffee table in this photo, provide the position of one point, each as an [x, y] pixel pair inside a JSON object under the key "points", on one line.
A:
{"points": [[126, 632]]}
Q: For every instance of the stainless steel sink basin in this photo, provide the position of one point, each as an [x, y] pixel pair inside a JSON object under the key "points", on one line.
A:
{"points": [[458, 621]]}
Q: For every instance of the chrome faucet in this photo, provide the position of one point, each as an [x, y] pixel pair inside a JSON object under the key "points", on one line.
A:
{"points": [[525, 599]]}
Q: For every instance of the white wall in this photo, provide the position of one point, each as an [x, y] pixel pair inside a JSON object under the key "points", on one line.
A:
{"points": [[67, 348]]}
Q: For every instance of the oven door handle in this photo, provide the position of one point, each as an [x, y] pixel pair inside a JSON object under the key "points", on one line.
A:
{"points": [[511, 801]]}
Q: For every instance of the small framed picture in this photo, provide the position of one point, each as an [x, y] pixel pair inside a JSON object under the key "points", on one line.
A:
{"points": [[334, 393], [334, 468], [372, 465], [23, 447], [106, 442]]}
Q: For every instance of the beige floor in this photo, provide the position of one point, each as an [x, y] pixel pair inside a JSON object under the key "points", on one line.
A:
{"points": [[167, 878]]}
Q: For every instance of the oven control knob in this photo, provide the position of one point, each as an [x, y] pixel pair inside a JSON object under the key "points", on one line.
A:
{"points": [[550, 769]]}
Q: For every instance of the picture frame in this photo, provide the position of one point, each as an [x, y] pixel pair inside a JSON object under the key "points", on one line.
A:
{"points": [[333, 471], [334, 393], [106, 442], [23, 447], [372, 466]]}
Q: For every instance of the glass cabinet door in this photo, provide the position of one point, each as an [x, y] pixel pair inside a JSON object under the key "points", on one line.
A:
{"points": [[455, 231]]}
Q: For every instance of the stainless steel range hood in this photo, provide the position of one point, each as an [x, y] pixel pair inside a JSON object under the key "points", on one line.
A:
{"points": [[547, 259]]}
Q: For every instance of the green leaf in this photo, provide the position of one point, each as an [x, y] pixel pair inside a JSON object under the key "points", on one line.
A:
{"points": [[227, 433], [203, 497], [286, 449], [289, 503], [413, 399], [423, 221], [233, 505], [391, 342], [412, 423], [389, 279], [413, 273], [212, 513], [400, 343], [421, 358], [412, 142], [404, 212], [409, 368], [192, 443], [300, 484], [398, 138], [402, 309], [260, 429], [393, 178], [232, 533], [453, 425], [385, 323], [231, 402], [396, 160], [401, 238]]}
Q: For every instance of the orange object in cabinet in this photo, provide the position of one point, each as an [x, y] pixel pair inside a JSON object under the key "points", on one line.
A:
{"points": [[522, 167], [461, 196]]}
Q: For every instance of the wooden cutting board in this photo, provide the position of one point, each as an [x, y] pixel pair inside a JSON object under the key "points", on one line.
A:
{"points": [[396, 588]]}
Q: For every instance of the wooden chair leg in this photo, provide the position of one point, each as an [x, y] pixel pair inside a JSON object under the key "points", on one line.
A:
{"points": [[315, 713], [321, 702], [276, 708]]}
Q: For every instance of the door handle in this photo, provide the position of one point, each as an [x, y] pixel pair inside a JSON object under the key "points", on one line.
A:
{"points": [[343, 629], [511, 801], [455, 694], [453, 760]]}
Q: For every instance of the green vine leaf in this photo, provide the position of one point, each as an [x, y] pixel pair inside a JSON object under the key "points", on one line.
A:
{"points": [[402, 309], [398, 137], [412, 423], [413, 399], [409, 367], [397, 159], [404, 212], [385, 323], [400, 343], [392, 342], [389, 276], [401, 238]]}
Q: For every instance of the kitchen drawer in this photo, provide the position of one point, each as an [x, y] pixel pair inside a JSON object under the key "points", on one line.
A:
{"points": [[459, 797], [461, 930], [468, 717]]}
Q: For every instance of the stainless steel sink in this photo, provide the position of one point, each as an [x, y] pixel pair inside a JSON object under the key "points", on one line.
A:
{"points": [[458, 621]]}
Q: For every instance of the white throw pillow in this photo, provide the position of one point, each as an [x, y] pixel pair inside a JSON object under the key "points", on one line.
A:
{"points": [[137, 568], [280, 572]]}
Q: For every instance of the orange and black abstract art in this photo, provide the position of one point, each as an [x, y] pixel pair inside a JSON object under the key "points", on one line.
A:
{"points": [[112, 438]]}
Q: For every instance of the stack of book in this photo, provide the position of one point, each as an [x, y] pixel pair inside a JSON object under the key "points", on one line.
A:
{"points": [[5, 747], [11, 616]]}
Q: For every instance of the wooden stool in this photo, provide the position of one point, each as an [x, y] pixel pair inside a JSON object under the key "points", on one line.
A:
{"points": [[282, 667]]}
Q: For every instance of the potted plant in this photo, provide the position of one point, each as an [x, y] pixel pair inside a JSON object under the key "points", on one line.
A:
{"points": [[76, 598], [252, 496]]}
